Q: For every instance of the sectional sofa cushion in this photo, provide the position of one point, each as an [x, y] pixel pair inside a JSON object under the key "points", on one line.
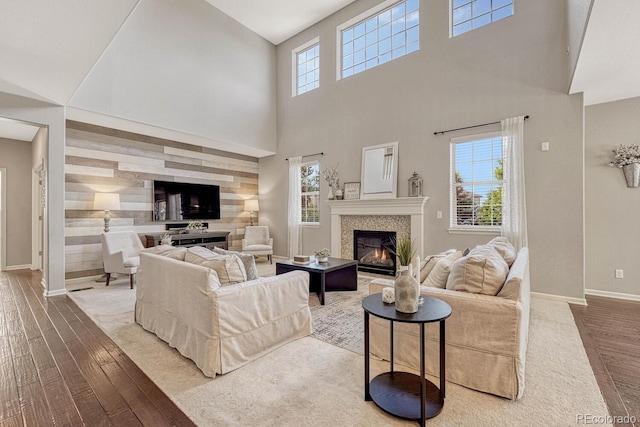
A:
{"points": [[437, 278], [168, 251], [248, 260], [483, 271], [504, 247]]}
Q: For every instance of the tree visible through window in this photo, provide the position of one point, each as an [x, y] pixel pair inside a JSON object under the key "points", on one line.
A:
{"points": [[476, 195], [310, 203]]}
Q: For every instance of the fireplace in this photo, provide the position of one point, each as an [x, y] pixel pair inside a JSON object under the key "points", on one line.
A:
{"points": [[370, 250]]}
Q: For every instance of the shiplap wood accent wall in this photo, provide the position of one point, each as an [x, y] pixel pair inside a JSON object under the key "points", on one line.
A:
{"points": [[100, 159]]}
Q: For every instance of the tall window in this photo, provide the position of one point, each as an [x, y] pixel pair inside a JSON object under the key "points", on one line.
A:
{"points": [[386, 32], [306, 67], [310, 182], [468, 15], [476, 182]]}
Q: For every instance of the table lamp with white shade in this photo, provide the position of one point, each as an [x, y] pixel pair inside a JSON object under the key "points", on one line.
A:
{"points": [[106, 202], [251, 206]]}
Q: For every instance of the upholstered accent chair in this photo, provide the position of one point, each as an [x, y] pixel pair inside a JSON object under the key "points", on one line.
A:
{"points": [[121, 253], [257, 241]]}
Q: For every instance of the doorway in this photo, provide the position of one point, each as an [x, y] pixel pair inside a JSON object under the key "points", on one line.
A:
{"points": [[3, 218], [23, 145]]}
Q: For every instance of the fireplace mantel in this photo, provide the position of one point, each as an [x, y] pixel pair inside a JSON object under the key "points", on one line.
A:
{"points": [[411, 206]]}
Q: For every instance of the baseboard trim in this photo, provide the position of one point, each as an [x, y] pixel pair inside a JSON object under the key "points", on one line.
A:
{"points": [[81, 279], [608, 294], [55, 293], [570, 300], [18, 267]]}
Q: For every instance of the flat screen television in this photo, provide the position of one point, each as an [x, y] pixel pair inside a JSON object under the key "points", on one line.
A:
{"points": [[178, 201]]}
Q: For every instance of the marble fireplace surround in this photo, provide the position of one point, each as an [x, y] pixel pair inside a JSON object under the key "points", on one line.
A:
{"points": [[413, 207]]}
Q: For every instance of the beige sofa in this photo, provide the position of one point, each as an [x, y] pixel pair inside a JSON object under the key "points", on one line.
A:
{"points": [[220, 328], [486, 336]]}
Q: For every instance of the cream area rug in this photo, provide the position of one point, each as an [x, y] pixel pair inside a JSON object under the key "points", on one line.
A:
{"points": [[311, 382]]}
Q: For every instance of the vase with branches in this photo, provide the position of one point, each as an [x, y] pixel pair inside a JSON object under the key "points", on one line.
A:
{"points": [[332, 177]]}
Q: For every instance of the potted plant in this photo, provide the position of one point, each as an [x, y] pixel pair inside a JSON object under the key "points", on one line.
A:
{"points": [[406, 287], [627, 158], [403, 250], [322, 255]]}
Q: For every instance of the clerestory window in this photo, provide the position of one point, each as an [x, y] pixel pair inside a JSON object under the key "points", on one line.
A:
{"points": [[383, 33], [467, 15]]}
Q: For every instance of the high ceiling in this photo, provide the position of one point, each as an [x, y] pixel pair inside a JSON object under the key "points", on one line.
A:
{"points": [[48, 49], [277, 20], [609, 60], [19, 131]]}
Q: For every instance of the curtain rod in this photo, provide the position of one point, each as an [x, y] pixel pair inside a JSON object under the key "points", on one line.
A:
{"points": [[310, 155], [442, 132]]}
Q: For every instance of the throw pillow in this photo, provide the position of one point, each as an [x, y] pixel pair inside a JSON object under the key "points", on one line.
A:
{"points": [[427, 265], [249, 262], [437, 278], [229, 268], [199, 254], [504, 247], [483, 271]]}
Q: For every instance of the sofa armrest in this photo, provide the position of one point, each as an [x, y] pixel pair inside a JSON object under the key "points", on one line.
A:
{"points": [[114, 261], [252, 304], [180, 289], [482, 322]]}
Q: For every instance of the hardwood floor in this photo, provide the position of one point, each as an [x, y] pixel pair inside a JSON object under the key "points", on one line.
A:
{"points": [[59, 368], [610, 331]]}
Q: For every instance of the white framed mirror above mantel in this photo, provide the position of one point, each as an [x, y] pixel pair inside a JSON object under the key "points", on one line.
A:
{"points": [[379, 171]]}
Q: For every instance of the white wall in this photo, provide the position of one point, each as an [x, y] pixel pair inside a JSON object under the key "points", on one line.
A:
{"points": [[578, 15], [39, 148], [184, 66], [611, 208], [515, 66]]}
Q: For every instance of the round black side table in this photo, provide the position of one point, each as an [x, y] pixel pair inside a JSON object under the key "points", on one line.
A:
{"points": [[403, 394]]}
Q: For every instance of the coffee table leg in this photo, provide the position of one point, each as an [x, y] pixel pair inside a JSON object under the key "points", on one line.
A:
{"points": [[322, 284], [367, 393]]}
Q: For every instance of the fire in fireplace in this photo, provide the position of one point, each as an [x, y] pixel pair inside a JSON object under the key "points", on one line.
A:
{"points": [[370, 250]]}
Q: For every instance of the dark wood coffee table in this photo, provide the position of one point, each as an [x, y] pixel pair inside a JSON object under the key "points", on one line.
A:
{"points": [[336, 275]]}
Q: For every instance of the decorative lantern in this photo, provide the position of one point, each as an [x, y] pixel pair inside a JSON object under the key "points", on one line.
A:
{"points": [[415, 185]]}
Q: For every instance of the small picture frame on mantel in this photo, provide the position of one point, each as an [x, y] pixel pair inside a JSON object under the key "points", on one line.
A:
{"points": [[351, 190]]}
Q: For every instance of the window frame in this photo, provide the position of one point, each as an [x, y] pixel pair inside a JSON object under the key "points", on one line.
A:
{"points": [[454, 227], [369, 13], [294, 65], [451, 24], [312, 193]]}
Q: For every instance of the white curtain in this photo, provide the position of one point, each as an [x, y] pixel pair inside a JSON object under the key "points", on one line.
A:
{"points": [[514, 204], [295, 198]]}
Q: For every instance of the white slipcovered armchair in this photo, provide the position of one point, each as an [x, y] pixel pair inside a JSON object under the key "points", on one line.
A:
{"points": [[257, 241], [121, 253]]}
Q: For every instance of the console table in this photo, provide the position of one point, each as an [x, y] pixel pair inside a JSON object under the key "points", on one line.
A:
{"points": [[208, 239], [403, 394]]}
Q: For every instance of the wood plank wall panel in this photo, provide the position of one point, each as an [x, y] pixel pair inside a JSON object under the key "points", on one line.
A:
{"points": [[100, 159]]}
